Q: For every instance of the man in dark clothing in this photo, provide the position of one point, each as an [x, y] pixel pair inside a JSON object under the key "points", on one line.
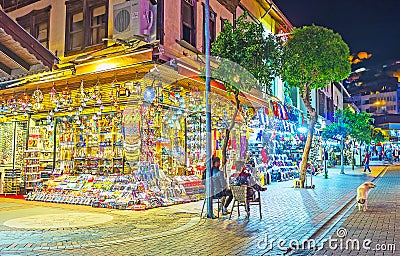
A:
{"points": [[219, 186], [366, 162]]}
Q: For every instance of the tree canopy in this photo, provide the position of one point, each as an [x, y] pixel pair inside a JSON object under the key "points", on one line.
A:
{"points": [[356, 125], [314, 57], [248, 47], [245, 59]]}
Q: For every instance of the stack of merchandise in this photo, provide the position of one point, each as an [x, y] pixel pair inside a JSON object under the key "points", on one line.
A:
{"points": [[136, 191], [192, 185]]}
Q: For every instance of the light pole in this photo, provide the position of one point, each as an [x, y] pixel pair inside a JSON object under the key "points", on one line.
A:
{"points": [[342, 139], [210, 213], [325, 162]]}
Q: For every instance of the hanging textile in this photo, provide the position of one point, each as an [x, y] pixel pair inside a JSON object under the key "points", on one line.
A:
{"points": [[276, 108]]}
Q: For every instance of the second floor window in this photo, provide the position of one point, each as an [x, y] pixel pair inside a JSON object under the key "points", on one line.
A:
{"points": [[11, 5], [86, 23], [188, 22], [37, 23], [223, 24]]}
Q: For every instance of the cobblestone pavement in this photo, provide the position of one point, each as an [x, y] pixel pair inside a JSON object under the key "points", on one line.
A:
{"points": [[373, 232], [177, 230]]}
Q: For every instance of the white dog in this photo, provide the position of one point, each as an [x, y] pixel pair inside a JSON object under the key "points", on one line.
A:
{"points": [[362, 195]]}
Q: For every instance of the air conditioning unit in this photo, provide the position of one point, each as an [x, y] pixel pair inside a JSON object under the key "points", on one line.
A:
{"points": [[133, 20]]}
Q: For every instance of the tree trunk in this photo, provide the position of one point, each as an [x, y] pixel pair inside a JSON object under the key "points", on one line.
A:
{"points": [[228, 131], [313, 118]]}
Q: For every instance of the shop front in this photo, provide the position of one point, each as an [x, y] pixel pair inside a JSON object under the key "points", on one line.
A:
{"points": [[128, 139], [276, 142]]}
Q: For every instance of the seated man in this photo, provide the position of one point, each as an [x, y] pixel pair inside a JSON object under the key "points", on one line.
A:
{"points": [[243, 177], [219, 186]]}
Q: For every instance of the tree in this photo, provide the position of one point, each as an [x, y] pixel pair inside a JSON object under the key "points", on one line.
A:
{"points": [[376, 134], [246, 59], [313, 58], [349, 124]]}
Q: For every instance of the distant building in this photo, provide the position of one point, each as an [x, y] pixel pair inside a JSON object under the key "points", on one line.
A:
{"points": [[376, 91]]}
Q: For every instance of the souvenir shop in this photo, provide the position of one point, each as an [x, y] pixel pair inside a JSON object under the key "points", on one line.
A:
{"points": [[126, 144], [277, 141]]}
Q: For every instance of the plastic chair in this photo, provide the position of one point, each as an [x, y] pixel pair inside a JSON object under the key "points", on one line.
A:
{"points": [[240, 199]]}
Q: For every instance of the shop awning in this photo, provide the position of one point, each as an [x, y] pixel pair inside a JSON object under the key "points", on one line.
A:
{"points": [[20, 53]]}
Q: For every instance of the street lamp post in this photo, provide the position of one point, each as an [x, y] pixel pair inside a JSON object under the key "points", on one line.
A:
{"points": [[325, 162], [210, 213]]}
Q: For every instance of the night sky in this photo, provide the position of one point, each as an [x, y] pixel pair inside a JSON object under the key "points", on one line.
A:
{"points": [[365, 25]]}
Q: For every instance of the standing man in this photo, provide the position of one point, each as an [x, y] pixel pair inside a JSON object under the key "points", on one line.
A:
{"points": [[366, 162], [396, 154]]}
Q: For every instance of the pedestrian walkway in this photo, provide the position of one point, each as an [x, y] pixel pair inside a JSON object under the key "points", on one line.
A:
{"points": [[288, 214], [376, 231]]}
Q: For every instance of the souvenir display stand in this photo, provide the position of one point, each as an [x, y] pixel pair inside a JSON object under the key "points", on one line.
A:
{"points": [[90, 145], [31, 160], [11, 181], [12, 144], [147, 188], [273, 142]]}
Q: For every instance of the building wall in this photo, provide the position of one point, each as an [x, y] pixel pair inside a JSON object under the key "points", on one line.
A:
{"points": [[380, 103], [57, 22], [172, 26], [337, 98]]}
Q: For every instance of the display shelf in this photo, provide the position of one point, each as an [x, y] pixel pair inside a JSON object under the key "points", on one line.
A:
{"points": [[38, 154], [11, 181], [94, 143]]}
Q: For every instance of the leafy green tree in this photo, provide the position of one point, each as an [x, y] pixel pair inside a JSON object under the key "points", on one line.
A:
{"points": [[376, 135], [313, 57], [246, 59], [350, 124]]}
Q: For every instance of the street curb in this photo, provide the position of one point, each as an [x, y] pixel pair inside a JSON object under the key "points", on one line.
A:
{"points": [[335, 217]]}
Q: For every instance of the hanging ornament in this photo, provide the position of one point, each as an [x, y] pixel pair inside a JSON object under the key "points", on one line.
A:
{"points": [[66, 95], [38, 98], [149, 94], [96, 94], [23, 101], [53, 94], [83, 94]]}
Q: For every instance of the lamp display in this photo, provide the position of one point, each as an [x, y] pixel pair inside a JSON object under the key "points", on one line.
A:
{"points": [[149, 94]]}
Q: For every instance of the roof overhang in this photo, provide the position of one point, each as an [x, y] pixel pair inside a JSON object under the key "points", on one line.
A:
{"points": [[20, 53]]}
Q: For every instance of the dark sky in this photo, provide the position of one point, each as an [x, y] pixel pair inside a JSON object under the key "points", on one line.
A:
{"points": [[365, 25]]}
